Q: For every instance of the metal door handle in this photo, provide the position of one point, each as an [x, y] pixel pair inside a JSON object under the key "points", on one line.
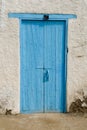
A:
{"points": [[45, 76]]}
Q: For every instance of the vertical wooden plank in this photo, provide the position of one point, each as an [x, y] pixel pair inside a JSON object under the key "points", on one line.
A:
{"points": [[54, 60], [60, 66], [23, 73], [31, 59], [37, 76], [49, 63], [66, 57]]}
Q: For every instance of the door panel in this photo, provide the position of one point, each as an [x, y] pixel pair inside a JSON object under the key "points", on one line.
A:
{"points": [[54, 60], [60, 67], [42, 66], [49, 63], [31, 59]]}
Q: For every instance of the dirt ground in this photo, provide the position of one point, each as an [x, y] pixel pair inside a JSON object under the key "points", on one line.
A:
{"points": [[49, 121]]}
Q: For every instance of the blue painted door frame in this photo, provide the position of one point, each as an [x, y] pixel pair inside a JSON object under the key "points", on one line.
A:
{"points": [[37, 95]]}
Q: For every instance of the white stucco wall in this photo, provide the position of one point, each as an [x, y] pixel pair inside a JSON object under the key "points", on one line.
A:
{"points": [[9, 48]]}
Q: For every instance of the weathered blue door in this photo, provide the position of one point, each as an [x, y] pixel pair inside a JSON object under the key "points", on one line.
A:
{"points": [[42, 66]]}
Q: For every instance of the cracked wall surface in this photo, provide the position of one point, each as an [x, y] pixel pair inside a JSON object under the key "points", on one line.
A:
{"points": [[10, 48]]}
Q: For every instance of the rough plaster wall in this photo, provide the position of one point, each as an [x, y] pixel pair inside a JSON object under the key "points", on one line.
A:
{"points": [[9, 48]]}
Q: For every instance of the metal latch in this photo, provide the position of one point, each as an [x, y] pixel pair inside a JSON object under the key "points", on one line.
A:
{"points": [[45, 76], [67, 50], [45, 17]]}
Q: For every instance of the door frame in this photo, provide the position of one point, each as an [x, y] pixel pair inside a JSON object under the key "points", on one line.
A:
{"points": [[52, 17]]}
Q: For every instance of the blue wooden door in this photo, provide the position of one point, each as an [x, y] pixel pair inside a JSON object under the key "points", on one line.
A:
{"points": [[42, 66]]}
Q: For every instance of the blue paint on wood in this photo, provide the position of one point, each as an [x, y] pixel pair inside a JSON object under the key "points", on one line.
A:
{"points": [[43, 47], [54, 58], [66, 57], [31, 59], [32, 16]]}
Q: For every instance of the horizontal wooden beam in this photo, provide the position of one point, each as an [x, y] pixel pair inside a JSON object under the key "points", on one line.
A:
{"points": [[40, 16]]}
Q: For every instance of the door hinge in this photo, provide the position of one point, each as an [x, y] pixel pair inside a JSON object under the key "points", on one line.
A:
{"points": [[67, 50]]}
